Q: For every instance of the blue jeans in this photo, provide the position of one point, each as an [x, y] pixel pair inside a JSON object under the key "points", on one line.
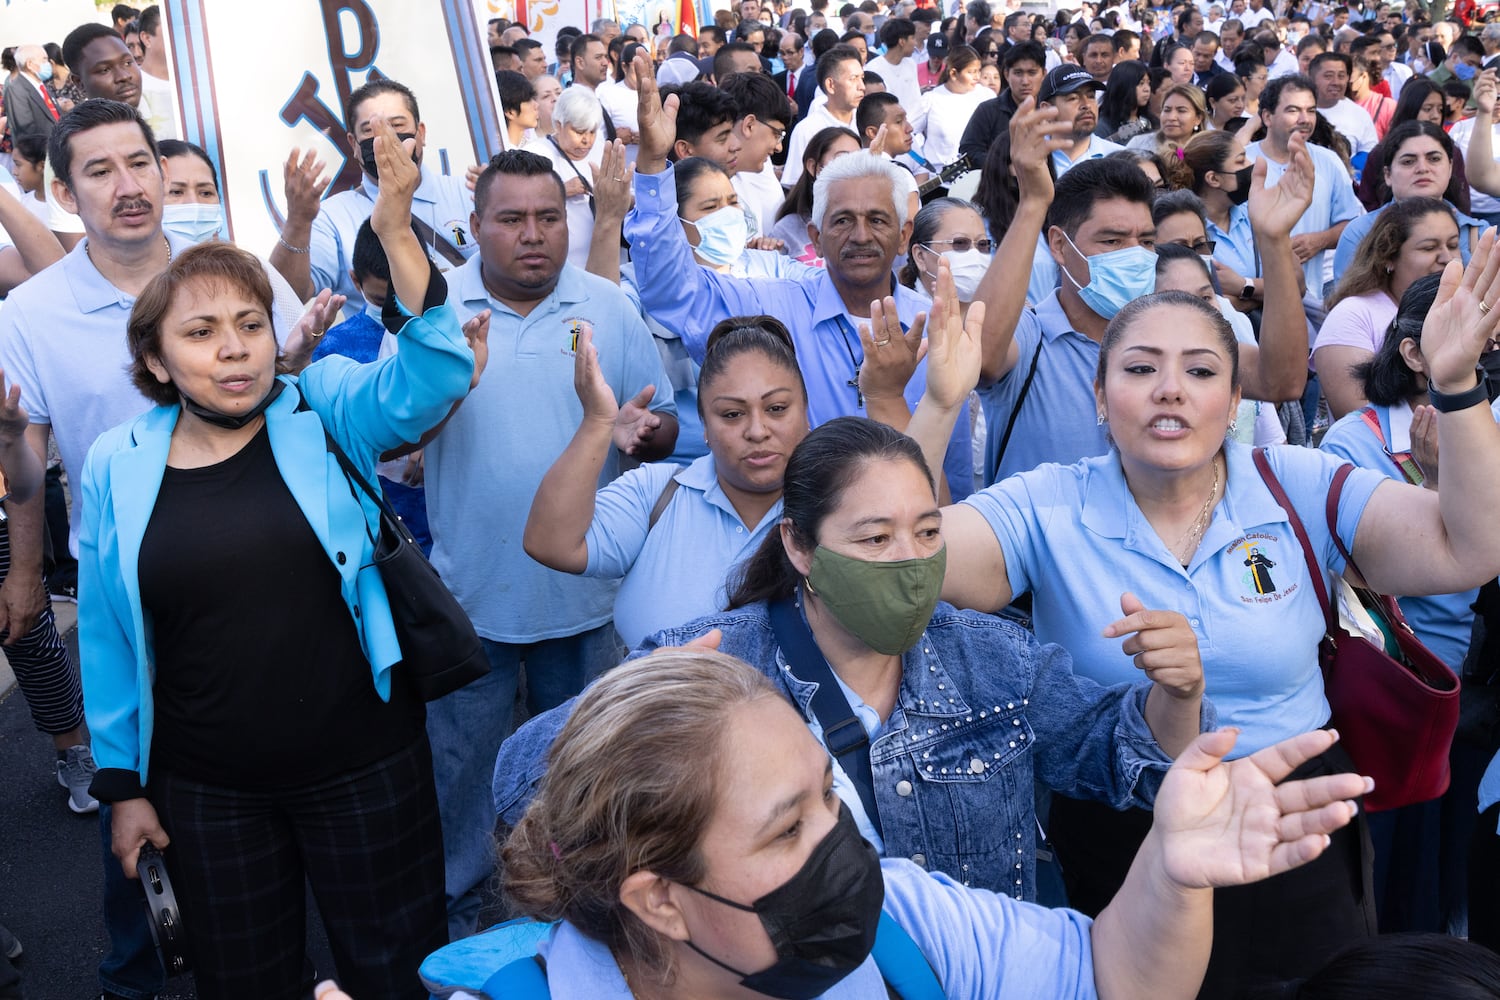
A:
{"points": [[131, 968], [466, 729]]}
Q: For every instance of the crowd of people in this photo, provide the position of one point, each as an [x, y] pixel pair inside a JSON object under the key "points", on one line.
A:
{"points": [[871, 446]]}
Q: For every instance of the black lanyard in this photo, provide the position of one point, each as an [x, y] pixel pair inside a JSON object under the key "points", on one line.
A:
{"points": [[845, 332]]}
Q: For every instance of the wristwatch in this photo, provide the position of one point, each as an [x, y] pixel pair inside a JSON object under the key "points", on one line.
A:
{"points": [[1248, 292], [1446, 402]]}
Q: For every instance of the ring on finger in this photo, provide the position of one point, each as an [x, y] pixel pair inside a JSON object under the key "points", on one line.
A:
{"points": [[1484, 308], [882, 343]]}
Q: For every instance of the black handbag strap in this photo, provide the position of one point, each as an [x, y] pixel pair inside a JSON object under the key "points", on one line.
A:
{"points": [[843, 733], [354, 478], [1010, 425]]}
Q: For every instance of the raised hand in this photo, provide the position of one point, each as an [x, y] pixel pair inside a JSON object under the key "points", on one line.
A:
{"points": [[1034, 137], [1163, 645], [954, 343], [593, 391], [891, 355], [13, 416], [657, 120], [1424, 444], [1484, 91], [304, 182], [477, 333], [1463, 318], [399, 177], [1228, 823], [321, 313], [612, 193], [1276, 209]]}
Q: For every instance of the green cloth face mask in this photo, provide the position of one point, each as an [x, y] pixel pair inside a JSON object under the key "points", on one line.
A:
{"points": [[887, 605]]}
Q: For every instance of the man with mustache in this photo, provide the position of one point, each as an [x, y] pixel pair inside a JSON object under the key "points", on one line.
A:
{"points": [[1288, 107], [62, 339], [1075, 95], [860, 225]]}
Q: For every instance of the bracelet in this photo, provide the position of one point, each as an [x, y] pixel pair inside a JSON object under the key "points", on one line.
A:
{"points": [[1451, 402], [283, 242]]}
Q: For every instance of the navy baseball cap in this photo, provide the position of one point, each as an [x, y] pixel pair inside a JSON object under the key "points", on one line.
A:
{"points": [[1066, 79]]}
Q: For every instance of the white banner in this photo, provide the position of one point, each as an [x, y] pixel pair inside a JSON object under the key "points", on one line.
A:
{"points": [[250, 96], [37, 22]]}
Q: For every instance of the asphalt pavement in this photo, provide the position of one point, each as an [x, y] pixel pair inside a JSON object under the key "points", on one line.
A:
{"points": [[51, 868]]}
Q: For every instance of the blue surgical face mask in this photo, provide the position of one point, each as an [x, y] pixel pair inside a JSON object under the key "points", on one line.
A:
{"points": [[1115, 278], [1464, 71], [193, 221], [44, 71], [721, 235]]}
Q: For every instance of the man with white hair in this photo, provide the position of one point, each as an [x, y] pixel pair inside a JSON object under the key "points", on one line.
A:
{"points": [[606, 28], [1490, 39], [860, 225], [28, 103], [574, 152]]}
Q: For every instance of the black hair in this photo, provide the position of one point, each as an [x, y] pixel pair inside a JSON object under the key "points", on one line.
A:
{"points": [[853, 35], [1168, 254], [723, 67], [31, 147], [1122, 39], [701, 106], [1414, 94], [525, 45], [369, 259], [89, 115], [715, 32], [895, 31], [122, 12], [1385, 967], [829, 62], [1322, 58], [999, 193], [1386, 377], [822, 43], [169, 148], [1170, 203], [579, 46], [1466, 44], [799, 200], [821, 468], [515, 90], [1135, 308], [150, 20], [376, 87], [871, 112], [79, 39], [1093, 181], [499, 51], [1023, 51], [513, 163], [687, 171], [1270, 97], [1118, 105], [757, 94], [1391, 144], [738, 335], [1220, 87]]}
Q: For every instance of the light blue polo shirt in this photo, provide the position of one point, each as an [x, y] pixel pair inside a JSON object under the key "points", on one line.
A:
{"points": [[1469, 230], [1074, 538], [689, 300], [62, 340], [676, 571], [1057, 420], [1236, 248], [485, 466], [1098, 148], [1333, 201], [444, 203], [1442, 621]]}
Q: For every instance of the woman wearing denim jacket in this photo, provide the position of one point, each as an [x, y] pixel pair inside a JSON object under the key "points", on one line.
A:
{"points": [[240, 674], [952, 702]]}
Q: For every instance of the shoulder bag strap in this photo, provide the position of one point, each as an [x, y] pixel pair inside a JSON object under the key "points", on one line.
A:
{"points": [[438, 242], [843, 733], [907, 973], [661, 502], [1408, 466], [1314, 567], [356, 479], [1015, 412]]}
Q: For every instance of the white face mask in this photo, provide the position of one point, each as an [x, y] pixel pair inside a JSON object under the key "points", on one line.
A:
{"points": [[968, 270], [193, 220]]}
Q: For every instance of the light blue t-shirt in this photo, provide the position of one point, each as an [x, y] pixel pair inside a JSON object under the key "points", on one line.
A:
{"points": [[979, 944], [1075, 539], [676, 571], [443, 203], [1442, 621], [1057, 419], [1333, 201], [485, 466], [1098, 148]]}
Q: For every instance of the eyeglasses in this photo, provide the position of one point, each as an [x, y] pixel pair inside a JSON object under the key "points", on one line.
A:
{"points": [[780, 133], [962, 244], [1203, 248]]}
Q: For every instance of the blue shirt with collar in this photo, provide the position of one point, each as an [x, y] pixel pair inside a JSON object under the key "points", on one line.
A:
{"points": [[484, 468], [1333, 201], [689, 300], [983, 713], [1098, 148], [444, 203], [1057, 419], [1236, 248], [660, 588], [1469, 230], [1024, 952], [1442, 621], [1246, 593]]}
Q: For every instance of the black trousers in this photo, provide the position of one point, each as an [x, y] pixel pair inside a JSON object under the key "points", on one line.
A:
{"points": [[1484, 881], [368, 843], [1283, 928]]}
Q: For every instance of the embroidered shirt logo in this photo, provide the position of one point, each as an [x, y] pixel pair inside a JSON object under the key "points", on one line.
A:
{"points": [[1254, 552]]}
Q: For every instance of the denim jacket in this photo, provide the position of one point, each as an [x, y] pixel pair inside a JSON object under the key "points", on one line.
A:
{"points": [[954, 763]]}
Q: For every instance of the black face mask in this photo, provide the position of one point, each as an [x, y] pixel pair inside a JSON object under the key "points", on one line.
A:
{"points": [[224, 420], [367, 152], [822, 920], [1242, 178]]}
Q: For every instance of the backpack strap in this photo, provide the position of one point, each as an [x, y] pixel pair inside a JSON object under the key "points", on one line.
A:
{"points": [[1015, 412], [523, 979], [906, 971], [661, 502], [1408, 466]]}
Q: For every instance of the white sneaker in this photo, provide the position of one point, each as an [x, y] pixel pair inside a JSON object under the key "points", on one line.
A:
{"points": [[75, 772]]}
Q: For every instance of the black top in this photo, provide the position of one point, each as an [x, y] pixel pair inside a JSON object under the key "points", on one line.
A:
{"points": [[260, 679], [989, 121]]}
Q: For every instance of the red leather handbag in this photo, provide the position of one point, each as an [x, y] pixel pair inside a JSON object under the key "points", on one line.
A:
{"points": [[1396, 716]]}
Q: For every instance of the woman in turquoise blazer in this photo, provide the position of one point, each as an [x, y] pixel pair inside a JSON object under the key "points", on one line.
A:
{"points": [[236, 638]]}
